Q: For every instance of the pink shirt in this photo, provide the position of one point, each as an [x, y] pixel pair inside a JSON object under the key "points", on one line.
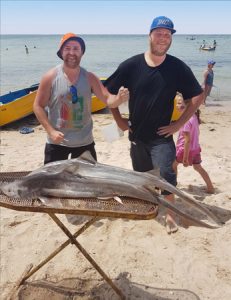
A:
{"points": [[192, 126]]}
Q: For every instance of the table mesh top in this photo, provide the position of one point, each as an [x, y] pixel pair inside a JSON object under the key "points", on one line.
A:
{"points": [[130, 208]]}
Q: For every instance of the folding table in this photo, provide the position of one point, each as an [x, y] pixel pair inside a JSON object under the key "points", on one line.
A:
{"points": [[135, 209]]}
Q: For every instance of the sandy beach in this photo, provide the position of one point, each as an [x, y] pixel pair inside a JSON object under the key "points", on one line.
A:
{"points": [[141, 258]]}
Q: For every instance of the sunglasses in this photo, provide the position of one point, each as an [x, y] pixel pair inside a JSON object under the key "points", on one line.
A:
{"points": [[74, 94]]}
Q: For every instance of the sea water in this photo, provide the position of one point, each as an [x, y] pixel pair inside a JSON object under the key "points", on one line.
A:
{"points": [[103, 55]]}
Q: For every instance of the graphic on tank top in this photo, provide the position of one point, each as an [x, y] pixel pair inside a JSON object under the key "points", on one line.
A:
{"points": [[70, 114]]}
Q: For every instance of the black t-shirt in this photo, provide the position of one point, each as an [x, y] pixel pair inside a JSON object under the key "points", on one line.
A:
{"points": [[152, 92]]}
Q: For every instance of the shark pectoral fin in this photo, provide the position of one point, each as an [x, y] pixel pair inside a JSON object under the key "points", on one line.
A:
{"points": [[50, 201], [118, 199], [44, 200]]}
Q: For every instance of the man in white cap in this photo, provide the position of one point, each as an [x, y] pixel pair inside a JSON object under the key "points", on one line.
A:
{"points": [[153, 78], [63, 103]]}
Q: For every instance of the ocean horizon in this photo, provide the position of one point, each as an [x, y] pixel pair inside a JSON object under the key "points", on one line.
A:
{"points": [[104, 52]]}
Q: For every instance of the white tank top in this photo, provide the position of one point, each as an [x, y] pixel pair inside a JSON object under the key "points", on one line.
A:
{"points": [[72, 119]]}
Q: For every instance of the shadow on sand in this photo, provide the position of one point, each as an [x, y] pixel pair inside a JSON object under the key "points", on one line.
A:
{"points": [[93, 289], [29, 121]]}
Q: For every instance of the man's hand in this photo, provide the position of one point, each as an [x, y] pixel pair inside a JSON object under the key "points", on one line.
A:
{"points": [[123, 95], [185, 162], [169, 129], [56, 136]]}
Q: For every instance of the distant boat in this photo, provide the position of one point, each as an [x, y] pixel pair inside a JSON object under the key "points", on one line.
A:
{"points": [[192, 38], [19, 104], [208, 48]]}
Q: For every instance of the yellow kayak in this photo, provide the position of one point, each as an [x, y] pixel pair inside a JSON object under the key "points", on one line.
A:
{"points": [[17, 105], [96, 103]]}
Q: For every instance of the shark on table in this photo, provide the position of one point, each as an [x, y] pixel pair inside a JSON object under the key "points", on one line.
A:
{"points": [[83, 177]]}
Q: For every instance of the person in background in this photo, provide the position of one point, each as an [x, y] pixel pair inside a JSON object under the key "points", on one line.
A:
{"points": [[63, 103], [153, 78], [203, 45], [26, 49], [208, 79], [188, 150]]}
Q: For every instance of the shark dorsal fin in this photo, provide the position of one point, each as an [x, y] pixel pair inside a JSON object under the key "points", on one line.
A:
{"points": [[88, 157], [69, 165]]}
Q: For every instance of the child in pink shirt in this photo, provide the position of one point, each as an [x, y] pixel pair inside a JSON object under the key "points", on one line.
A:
{"points": [[187, 146]]}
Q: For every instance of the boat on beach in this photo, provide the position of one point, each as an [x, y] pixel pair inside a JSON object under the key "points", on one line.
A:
{"points": [[96, 103], [19, 104]]}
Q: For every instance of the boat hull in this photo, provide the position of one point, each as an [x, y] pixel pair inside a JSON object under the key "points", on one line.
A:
{"points": [[97, 104], [17, 109], [208, 48]]}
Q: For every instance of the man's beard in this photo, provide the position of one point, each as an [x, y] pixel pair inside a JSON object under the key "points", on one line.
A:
{"points": [[72, 62], [159, 52]]}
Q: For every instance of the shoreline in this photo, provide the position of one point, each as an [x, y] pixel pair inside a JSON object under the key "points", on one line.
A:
{"points": [[139, 256], [39, 61]]}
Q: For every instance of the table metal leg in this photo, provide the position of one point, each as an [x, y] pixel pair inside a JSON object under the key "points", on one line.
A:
{"points": [[87, 256], [60, 248]]}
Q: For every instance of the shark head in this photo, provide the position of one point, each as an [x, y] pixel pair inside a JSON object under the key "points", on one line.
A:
{"points": [[14, 189]]}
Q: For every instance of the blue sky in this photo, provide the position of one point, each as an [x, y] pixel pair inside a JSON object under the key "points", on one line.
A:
{"points": [[112, 17]]}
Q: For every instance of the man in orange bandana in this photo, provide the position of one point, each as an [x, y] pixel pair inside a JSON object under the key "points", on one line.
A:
{"points": [[63, 102]]}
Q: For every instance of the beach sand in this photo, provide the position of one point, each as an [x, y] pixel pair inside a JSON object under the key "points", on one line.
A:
{"points": [[140, 257]]}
